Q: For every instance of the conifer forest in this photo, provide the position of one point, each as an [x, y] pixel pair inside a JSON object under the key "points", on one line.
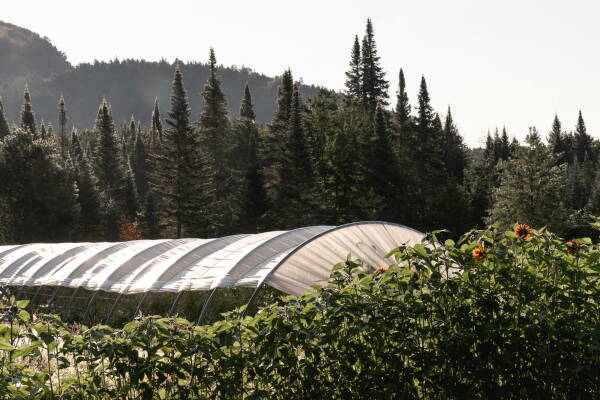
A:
{"points": [[331, 158]]}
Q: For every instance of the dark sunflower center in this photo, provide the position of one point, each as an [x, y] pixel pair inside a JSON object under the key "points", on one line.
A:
{"points": [[523, 232]]}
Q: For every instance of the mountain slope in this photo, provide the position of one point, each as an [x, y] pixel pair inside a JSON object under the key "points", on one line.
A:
{"points": [[130, 85], [24, 52]]}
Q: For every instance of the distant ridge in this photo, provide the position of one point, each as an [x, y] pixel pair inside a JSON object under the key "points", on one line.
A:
{"points": [[129, 85]]}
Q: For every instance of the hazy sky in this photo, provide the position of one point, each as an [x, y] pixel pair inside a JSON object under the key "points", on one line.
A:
{"points": [[509, 62]]}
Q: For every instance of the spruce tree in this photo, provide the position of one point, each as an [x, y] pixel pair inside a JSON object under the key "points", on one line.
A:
{"points": [[532, 188], [42, 130], [150, 219], [109, 160], [27, 114], [88, 196], [140, 166], [426, 114], [402, 105], [130, 195], [455, 152], [243, 157], [247, 109], [156, 125], [381, 165], [175, 173], [213, 131], [374, 85], [556, 141], [62, 128], [284, 97], [4, 129], [295, 197], [583, 142], [354, 73]]}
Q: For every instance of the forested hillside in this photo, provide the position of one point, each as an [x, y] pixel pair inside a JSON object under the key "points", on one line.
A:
{"points": [[131, 85], [323, 158]]}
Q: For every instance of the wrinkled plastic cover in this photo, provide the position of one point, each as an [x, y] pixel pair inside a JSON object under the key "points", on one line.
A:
{"points": [[292, 261]]}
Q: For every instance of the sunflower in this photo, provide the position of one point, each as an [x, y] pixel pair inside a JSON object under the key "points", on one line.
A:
{"points": [[574, 246], [523, 232], [380, 269], [479, 253]]}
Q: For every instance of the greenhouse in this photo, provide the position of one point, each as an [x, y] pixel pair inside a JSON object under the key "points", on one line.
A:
{"points": [[289, 261]]}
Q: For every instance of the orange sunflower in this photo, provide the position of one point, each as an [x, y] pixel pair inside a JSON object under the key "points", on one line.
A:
{"points": [[574, 246], [380, 269], [479, 253], [523, 232]]}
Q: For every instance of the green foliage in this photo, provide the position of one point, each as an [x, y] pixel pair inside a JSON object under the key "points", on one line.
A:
{"points": [[532, 188], [518, 319], [4, 129], [38, 202], [27, 115]]}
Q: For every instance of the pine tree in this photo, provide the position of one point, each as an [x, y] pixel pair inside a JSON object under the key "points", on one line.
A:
{"points": [[27, 114], [374, 85], [247, 109], [583, 142], [42, 130], [4, 129], [62, 128], [354, 73], [402, 105], [175, 174], [532, 188]]}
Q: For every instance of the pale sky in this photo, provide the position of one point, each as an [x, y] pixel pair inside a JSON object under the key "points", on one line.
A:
{"points": [[508, 62]]}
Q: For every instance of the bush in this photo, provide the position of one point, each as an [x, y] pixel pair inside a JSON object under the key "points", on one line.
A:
{"points": [[496, 315]]}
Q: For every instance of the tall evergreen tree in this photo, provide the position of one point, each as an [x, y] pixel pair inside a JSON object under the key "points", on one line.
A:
{"points": [[4, 129], [354, 73], [532, 188], [150, 218], [583, 142], [284, 97], [27, 114], [109, 161], [426, 114], [62, 128], [156, 125], [212, 131], [455, 155], [87, 193], [295, 197], [382, 166], [374, 85], [140, 166], [175, 172], [247, 109], [402, 105], [244, 158]]}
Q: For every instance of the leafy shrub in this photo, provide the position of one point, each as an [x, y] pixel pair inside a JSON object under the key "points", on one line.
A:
{"points": [[496, 315]]}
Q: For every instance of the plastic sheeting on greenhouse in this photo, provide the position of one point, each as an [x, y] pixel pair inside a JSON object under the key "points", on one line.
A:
{"points": [[292, 261]]}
